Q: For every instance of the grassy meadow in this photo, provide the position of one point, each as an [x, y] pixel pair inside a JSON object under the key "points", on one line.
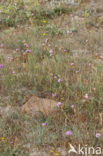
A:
{"points": [[55, 51]]}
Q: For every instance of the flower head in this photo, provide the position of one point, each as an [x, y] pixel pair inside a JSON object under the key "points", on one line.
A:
{"points": [[51, 52], [46, 40], [1, 66], [68, 31], [84, 100], [98, 135], [59, 104], [86, 96], [68, 133], [26, 45], [59, 80], [72, 64], [43, 124], [28, 51]]}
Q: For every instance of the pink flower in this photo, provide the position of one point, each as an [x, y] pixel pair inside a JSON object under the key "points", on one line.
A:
{"points": [[72, 64], [68, 133], [46, 40], [90, 64], [2, 45], [1, 66], [84, 100], [59, 80], [65, 50], [49, 45], [59, 104], [98, 135], [28, 51], [17, 49], [86, 96], [44, 124], [51, 52], [32, 14], [13, 72], [68, 31], [26, 45]]}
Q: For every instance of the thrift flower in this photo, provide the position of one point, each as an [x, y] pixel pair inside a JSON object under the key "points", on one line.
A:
{"points": [[86, 96], [68, 31], [98, 135], [17, 49], [51, 52], [32, 14], [59, 104], [55, 77], [1, 66], [72, 64], [90, 64], [2, 45], [84, 100], [86, 41], [68, 133], [26, 45], [59, 80], [13, 72], [46, 40], [44, 124], [28, 51]]}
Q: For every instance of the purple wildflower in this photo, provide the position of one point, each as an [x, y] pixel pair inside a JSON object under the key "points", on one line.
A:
{"points": [[86, 96], [59, 80], [51, 52], [28, 51], [44, 124], [68, 31], [59, 104], [26, 45], [46, 40], [55, 77], [72, 64], [98, 135], [84, 100], [1, 66], [68, 133]]}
